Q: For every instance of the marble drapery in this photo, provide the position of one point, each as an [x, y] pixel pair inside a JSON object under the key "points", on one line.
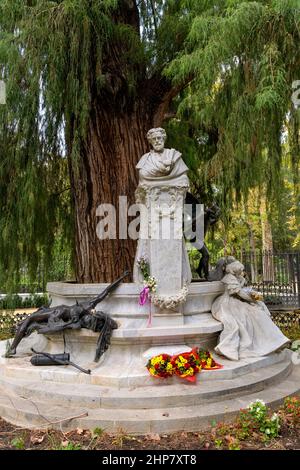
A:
{"points": [[248, 330]]}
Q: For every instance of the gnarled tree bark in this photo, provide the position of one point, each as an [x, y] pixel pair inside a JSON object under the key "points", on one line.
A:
{"points": [[106, 171]]}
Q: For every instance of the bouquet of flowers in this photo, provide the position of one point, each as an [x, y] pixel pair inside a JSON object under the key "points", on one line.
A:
{"points": [[143, 265], [150, 283], [206, 360], [160, 366], [186, 365], [254, 294]]}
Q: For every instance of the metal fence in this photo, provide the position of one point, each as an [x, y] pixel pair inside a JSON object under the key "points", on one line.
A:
{"points": [[275, 274]]}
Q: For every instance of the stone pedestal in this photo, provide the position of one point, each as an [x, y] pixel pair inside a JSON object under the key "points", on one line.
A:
{"points": [[161, 242], [134, 336]]}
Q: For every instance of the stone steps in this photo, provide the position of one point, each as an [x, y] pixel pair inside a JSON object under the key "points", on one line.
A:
{"points": [[206, 325], [36, 414], [162, 395], [129, 373]]}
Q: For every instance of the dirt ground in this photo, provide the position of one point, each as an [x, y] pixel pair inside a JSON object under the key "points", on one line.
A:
{"points": [[13, 438]]}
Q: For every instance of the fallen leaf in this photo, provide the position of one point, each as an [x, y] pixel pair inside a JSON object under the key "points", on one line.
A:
{"points": [[36, 439], [64, 443], [153, 437], [79, 431]]}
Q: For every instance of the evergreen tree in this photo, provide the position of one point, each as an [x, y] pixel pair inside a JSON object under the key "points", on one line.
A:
{"points": [[86, 79]]}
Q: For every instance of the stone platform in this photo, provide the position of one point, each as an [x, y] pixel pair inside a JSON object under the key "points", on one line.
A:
{"points": [[61, 397], [119, 393]]}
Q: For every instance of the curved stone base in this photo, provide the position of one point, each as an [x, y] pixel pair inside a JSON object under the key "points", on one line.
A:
{"points": [[137, 332], [63, 398], [123, 301], [120, 393]]}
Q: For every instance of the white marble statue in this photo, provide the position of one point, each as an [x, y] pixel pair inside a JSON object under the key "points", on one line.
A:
{"points": [[160, 165], [163, 183], [248, 330]]}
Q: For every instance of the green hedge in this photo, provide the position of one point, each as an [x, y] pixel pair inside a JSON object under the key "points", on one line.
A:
{"points": [[11, 302]]}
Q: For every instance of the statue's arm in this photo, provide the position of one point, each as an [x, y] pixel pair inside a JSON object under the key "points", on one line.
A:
{"points": [[235, 287], [243, 295]]}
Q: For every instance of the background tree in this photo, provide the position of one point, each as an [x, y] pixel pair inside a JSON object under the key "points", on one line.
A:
{"points": [[86, 80]]}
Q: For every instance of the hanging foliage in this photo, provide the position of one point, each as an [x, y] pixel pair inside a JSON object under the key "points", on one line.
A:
{"points": [[87, 78], [243, 57]]}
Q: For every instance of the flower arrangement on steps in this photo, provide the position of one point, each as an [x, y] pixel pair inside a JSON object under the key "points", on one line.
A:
{"points": [[185, 365]]}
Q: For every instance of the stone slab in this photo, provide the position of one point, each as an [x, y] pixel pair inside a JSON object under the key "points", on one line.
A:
{"points": [[171, 350], [162, 395], [128, 371]]}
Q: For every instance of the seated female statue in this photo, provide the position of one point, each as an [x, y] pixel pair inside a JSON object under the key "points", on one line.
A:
{"points": [[248, 330]]}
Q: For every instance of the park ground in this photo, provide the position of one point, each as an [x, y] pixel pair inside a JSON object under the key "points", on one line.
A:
{"points": [[245, 432]]}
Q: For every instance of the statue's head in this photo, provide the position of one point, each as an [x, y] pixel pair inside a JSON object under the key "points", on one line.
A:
{"points": [[157, 137], [236, 268]]}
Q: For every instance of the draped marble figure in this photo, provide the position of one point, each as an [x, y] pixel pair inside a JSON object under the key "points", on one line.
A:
{"points": [[162, 176], [248, 330]]}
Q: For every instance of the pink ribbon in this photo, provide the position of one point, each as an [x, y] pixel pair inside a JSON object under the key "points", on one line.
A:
{"points": [[144, 297]]}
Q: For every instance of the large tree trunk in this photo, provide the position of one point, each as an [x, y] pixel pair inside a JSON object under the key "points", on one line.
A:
{"points": [[115, 140], [106, 171]]}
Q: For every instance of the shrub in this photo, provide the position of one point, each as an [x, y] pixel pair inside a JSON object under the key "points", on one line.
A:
{"points": [[11, 302]]}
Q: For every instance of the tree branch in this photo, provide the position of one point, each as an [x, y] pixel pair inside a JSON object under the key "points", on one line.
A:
{"points": [[61, 192], [166, 93], [154, 17]]}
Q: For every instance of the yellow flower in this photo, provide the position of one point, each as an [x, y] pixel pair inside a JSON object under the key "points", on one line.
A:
{"points": [[156, 360], [189, 371], [182, 360]]}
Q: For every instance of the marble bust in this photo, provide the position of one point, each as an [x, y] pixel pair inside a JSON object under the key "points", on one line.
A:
{"points": [[160, 165]]}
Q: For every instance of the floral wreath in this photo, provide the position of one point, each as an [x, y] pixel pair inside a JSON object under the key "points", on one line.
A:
{"points": [[150, 286]]}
